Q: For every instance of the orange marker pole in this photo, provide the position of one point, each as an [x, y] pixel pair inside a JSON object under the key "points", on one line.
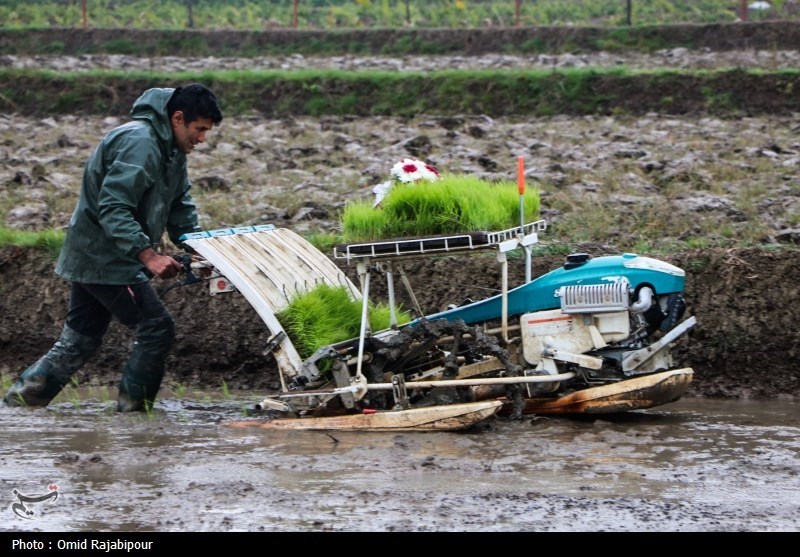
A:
{"points": [[521, 188]]}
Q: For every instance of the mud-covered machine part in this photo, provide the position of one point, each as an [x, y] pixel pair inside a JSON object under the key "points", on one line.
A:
{"points": [[591, 324]]}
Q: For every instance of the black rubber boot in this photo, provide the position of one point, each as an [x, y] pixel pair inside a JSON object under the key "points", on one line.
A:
{"points": [[145, 367], [40, 383]]}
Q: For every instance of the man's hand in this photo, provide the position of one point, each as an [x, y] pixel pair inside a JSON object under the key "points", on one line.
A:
{"points": [[162, 266]]}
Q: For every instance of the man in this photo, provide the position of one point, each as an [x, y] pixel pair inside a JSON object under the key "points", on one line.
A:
{"points": [[135, 187]]}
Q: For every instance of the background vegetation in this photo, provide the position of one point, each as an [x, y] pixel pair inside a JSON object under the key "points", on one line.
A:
{"points": [[337, 14]]}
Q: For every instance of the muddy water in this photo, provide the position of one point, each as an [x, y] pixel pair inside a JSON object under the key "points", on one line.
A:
{"points": [[694, 465]]}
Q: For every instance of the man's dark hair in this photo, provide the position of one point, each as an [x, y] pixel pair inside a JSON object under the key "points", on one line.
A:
{"points": [[195, 101]]}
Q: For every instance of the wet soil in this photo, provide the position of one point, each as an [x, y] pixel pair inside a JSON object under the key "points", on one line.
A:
{"points": [[697, 465]]}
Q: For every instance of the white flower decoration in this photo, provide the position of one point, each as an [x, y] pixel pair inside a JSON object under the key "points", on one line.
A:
{"points": [[406, 171], [412, 170]]}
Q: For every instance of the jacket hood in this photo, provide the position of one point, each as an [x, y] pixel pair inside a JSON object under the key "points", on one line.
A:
{"points": [[151, 107]]}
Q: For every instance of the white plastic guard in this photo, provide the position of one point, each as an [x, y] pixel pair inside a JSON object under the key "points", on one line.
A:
{"points": [[270, 266]]}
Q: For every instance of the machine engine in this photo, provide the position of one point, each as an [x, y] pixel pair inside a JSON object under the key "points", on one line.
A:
{"points": [[601, 330]]}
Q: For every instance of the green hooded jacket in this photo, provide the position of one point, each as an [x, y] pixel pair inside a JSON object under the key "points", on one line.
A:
{"points": [[135, 187]]}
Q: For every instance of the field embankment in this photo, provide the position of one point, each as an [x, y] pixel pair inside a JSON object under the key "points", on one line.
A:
{"points": [[769, 35], [536, 90], [493, 93]]}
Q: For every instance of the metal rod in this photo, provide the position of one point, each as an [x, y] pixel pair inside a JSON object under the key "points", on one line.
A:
{"points": [[475, 382], [431, 384], [410, 291], [390, 289], [527, 264], [364, 325], [504, 310]]}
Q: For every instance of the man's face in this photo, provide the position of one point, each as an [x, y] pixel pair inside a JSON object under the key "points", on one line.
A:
{"points": [[186, 136]]}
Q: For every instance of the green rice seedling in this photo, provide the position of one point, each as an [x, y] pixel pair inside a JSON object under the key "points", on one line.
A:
{"points": [[380, 316], [314, 319], [323, 241], [453, 204], [361, 221], [226, 393], [327, 315], [5, 382], [50, 241], [71, 391]]}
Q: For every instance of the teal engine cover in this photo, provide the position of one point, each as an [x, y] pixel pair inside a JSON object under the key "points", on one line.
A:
{"points": [[541, 293]]}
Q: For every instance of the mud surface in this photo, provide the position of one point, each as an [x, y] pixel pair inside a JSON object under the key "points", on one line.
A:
{"points": [[697, 465]]}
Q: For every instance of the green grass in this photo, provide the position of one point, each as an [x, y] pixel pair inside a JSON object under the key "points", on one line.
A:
{"points": [[360, 14], [48, 241], [370, 27]]}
